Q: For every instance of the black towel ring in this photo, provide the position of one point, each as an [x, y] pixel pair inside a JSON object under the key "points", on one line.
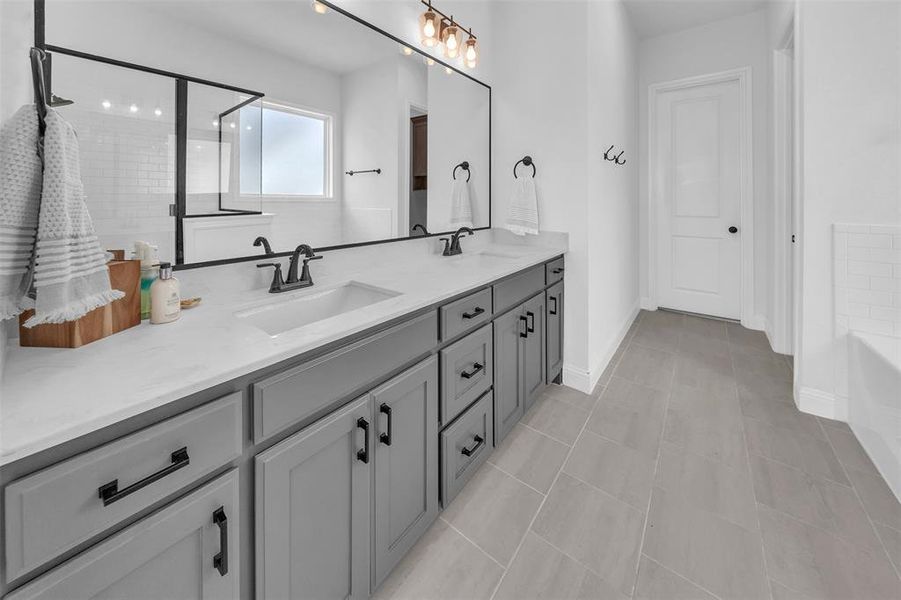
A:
{"points": [[465, 166], [527, 161]]}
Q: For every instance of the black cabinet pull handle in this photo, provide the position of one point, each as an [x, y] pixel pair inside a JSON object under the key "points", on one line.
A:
{"points": [[110, 492], [363, 455], [554, 310], [475, 313], [385, 438], [524, 332], [531, 328], [479, 440], [476, 367], [557, 271], [220, 561]]}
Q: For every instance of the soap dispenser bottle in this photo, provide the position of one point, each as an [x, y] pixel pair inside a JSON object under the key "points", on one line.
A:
{"points": [[150, 269], [165, 299]]}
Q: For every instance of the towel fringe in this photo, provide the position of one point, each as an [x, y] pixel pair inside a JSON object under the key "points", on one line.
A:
{"points": [[76, 310]]}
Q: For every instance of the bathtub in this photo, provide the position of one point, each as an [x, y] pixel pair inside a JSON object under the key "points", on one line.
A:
{"points": [[874, 401]]}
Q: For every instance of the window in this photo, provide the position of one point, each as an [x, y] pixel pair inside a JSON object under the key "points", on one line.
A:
{"points": [[295, 153]]}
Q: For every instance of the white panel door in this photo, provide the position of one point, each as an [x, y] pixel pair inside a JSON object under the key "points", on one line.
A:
{"points": [[697, 172]]}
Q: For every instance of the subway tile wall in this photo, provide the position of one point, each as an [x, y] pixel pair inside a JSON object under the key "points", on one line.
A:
{"points": [[867, 278]]}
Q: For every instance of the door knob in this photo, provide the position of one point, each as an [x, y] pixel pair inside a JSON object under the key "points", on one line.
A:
{"points": [[733, 229]]}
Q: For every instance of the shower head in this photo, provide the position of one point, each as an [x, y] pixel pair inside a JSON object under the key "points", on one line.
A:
{"points": [[57, 101]]}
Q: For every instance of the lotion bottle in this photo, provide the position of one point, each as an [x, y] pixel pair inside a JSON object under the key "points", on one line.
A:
{"points": [[165, 299]]}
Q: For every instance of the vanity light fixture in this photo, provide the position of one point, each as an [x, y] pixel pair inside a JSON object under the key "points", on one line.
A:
{"points": [[319, 8], [436, 28], [471, 52], [429, 27], [452, 38]]}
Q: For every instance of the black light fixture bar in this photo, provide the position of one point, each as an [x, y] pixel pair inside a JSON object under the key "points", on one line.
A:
{"points": [[449, 19]]}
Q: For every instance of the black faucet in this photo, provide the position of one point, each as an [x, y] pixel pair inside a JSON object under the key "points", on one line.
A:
{"points": [[261, 241], [421, 227], [452, 244], [293, 282]]}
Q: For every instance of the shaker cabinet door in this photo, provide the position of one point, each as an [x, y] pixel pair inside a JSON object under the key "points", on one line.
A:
{"points": [[533, 350], [508, 377], [405, 480], [313, 510], [187, 550], [554, 310]]}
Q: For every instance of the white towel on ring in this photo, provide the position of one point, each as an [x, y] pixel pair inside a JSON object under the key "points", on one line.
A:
{"points": [[71, 277], [461, 205], [522, 216]]}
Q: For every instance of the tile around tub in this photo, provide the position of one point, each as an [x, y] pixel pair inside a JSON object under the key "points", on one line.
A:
{"points": [[596, 529], [442, 565], [494, 511], [530, 456], [818, 564], [656, 582], [819, 502], [560, 420], [541, 571], [630, 414], [618, 470], [811, 455], [719, 555], [646, 366], [708, 485]]}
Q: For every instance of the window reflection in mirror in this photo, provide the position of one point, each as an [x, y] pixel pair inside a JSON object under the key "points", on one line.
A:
{"points": [[339, 98]]}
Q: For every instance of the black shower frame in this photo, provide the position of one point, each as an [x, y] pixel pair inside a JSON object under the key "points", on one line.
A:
{"points": [[181, 132]]}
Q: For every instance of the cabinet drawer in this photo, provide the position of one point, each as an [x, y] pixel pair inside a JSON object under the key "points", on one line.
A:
{"points": [[519, 287], [465, 313], [554, 271], [467, 371], [189, 549], [54, 510], [306, 392], [465, 445]]}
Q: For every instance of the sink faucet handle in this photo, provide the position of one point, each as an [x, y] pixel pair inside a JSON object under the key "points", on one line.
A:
{"points": [[277, 280], [446, 245], [307, 259]]}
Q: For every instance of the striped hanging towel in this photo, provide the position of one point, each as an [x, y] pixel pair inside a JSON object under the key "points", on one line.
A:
{"points": [[522, 216], [20, 198], [70, 276]]}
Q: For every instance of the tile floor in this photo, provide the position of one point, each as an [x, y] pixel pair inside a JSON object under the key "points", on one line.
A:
{"points": [[689, 473]]}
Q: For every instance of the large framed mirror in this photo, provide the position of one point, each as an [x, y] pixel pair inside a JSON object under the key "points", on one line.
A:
{"points": [[206, 124]]}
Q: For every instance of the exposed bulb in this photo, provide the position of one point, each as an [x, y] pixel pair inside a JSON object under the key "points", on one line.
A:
{"points": [[319, 8], [429, 28], [470, 53], [451, 42]]}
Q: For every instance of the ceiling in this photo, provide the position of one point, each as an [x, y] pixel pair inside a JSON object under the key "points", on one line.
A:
{"points": [[657, 17]]}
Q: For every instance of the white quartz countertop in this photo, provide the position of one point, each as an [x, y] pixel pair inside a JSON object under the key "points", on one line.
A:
{"points": [[51, 396]]}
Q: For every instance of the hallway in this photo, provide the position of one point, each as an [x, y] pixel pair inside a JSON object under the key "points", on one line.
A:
{"points": [[689, 473]]}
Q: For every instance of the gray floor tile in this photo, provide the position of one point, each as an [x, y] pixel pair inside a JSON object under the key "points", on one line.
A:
{"points": [[571, 396], [694, 342], [709, 485], [816, 563], [747, 340], [781, 414], [646, 366], [631, 415], [891, 538], [811, 455], [541, 571], [621, 471], [834, 424], [658, 336], [531, 457], [878, 500], [595, 528], [781, 592], [709, 328], [656, 582], [661, 318], [764, 386], [821, 503], [558, 419], [717, 554], [711, 374], [772, 366], [494, 511], [706, 424], [849, 451], [442, 565]]}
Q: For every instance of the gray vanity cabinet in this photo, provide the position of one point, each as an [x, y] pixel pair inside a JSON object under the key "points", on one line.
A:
{"points": [[519, 363], [312, 523], [188, 550], [405, 476], [554, 309]]}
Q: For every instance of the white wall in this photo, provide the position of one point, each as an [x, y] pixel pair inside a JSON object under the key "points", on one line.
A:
{"points": [[850, 85], [723, 45], [560, 106]]}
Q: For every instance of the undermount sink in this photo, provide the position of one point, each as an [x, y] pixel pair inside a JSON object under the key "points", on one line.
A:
{"points": [[316, 305], [484, 259]]}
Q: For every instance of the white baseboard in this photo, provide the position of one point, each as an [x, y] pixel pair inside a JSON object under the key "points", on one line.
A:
{"points": [[585, 381], [757, 322], [823, 404], [646, 304]]}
